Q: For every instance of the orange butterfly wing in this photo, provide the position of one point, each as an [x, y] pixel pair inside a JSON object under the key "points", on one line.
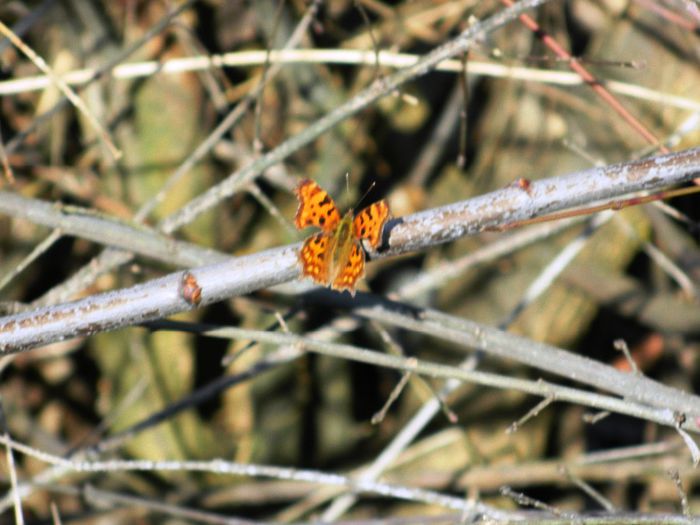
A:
{"points": [[353, 270], [370, 222], [314, 257], [316, 208]]}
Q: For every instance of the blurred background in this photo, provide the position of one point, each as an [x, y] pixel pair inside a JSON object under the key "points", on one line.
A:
{"points": [[443, 137]]}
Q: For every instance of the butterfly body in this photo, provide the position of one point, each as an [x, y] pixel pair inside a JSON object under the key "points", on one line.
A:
{"points": [[334, 257], [340, 247]]}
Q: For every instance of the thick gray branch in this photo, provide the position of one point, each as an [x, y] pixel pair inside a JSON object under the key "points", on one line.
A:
{"points": [[164, 297], [129, 236]]}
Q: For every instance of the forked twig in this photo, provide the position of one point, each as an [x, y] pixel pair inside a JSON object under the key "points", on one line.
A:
{"points": [[65, 89]]}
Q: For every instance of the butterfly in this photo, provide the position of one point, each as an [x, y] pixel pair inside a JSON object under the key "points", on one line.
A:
{"points": [[334, 257]]}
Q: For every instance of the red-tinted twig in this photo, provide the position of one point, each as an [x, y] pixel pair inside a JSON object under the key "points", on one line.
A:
{"points": [[589, 79], [669, 15]]}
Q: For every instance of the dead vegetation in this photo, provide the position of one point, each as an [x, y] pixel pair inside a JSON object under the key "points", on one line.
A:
{"points": [[541, 372]]}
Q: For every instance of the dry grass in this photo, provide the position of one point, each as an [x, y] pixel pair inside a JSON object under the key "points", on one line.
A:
{"points": [[546, 373]]}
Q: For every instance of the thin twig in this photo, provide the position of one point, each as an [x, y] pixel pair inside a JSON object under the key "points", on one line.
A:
{"points": [[681, 492], [55, 516], [64, 88], [533, 412], [684, 281], [446, 271], [588, 489], [395, 349], [38, 250], [616, 466], [375, 45], [540, 388], [260, 91], [6, 168], [522, 499], [621, 345], [433, 149], [555, 267], [592, 419], [222, 467], [463, 115], [100, 498], [11, 467], [347, 57], [379, 416], [271, 208]]}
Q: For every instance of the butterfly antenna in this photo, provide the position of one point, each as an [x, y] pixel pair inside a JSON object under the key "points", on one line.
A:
{"points": [[365, 194]]}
